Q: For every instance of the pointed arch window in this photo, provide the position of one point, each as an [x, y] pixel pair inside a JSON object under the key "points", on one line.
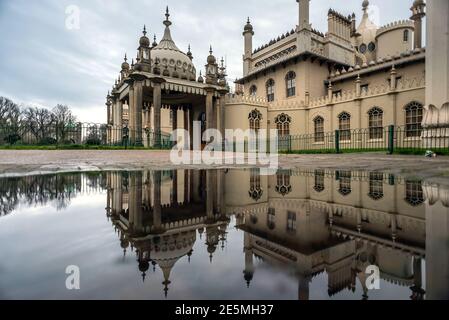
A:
{"points": [[291, 221], [344, 125], [271, 218], [290, 80], [319, 129], [283, 186], [413, 119], [375, 123], [270, 90], [283, 124], [255, 117], [255, 191]]}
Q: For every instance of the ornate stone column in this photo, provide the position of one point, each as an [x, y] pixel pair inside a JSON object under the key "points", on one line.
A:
{"points": [[175, 187], [157, 104], [209, 108], [131, 114], [138, 101], [186, 124], [436, 116]]}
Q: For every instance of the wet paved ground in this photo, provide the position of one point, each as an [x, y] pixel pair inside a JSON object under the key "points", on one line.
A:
{"points": [[17, 162]]}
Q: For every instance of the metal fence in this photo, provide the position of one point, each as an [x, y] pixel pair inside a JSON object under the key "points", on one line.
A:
{"points": [[390, 138], [83, 134]]}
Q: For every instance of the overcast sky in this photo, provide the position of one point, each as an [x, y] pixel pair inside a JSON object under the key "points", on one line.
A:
{"points": [[44, 63]]}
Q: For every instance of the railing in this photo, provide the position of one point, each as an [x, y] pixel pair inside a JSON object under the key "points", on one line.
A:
{"points": [[391, 139], [81, 134]]}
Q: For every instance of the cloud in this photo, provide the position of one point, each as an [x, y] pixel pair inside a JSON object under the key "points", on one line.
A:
{"points": [[42, 62]]}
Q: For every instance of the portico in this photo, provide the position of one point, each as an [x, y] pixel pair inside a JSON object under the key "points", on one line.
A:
{"points": [[164, 78]]}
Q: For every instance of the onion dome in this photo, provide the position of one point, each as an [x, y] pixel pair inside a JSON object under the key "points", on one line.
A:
{"points": [[125, 64], [169, 55], [365, 5], [189, 54], [248, 27], [144, 41], [154, 44], [418, 3], [211, 58], [200, 78]]}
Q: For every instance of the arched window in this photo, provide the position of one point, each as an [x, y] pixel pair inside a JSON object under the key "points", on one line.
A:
{"points": [[291, 221], [413, 119], [254, 119], [283, 124], [376, 185], [319, 129], [414, 193], [290, 80], [253, 90], [406, 35], [344, 125], [255, 191], [283, 186], [375, 123], [270, 90], [345, 182]]}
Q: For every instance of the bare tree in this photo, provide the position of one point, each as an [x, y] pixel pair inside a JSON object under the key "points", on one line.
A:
{"points": [[65, 121], [41, 123], [10, 120]]}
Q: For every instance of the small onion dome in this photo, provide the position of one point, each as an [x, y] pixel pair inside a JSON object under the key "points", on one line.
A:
{"points": [[418, 3], [189, 54], [365, 4], [211, 58], [144, 41], [154, 44], [201, 80], [144, 266], [248, 26], [125, 64]]}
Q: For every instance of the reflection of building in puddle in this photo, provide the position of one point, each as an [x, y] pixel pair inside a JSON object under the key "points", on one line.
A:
{"points": [[334, 222], [159, 213], [337, 223]]}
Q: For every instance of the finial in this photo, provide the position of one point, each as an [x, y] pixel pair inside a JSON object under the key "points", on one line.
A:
{"points": [[167, 22], [248, 21], [126, 59], [365, 5], [210, 50], [144, 30]]}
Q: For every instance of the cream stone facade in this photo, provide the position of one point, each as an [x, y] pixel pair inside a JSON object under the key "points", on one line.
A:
{"points": [[357, 75]]}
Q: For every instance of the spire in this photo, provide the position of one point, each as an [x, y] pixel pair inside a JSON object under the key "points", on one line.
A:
{"points": [[144, 30], [167, 22], [126, 59], [210, 50], [189, 53]]}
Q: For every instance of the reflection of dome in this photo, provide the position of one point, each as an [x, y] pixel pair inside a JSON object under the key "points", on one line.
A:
{"points": [[171, 58]]}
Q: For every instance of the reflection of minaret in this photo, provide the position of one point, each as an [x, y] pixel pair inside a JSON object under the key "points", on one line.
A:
{"points": [[303, 287], [249, 263], [209, 196], [437, 242]]}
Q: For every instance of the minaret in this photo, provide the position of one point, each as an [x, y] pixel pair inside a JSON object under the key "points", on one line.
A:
{"points": [[417, 15], [143, 55], [436, 116], [248, 273], [304, 14], [304, 38], [248, 33]]}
